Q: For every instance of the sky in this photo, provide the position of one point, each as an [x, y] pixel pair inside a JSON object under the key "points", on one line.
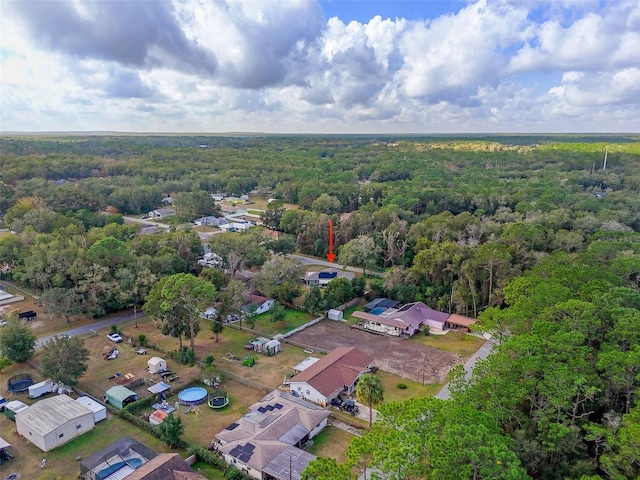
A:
{"points": [[320, 66]]}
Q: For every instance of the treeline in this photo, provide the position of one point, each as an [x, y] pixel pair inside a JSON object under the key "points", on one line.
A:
{"points": [[556, 400], [454, 219]]}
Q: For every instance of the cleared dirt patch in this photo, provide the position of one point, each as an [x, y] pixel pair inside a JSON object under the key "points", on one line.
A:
{"points": [[404, 358]]}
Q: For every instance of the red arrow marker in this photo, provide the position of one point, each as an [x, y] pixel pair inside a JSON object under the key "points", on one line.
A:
{"points": [[331, 256]]}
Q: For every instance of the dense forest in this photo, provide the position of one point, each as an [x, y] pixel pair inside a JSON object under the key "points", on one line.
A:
{"points": [[537, 237]]}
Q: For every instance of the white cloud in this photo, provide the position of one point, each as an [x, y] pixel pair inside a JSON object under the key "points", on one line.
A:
{"points": [[234, 65]]}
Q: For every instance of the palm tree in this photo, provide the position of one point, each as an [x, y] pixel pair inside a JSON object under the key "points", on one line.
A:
{"points": [[369, 390]]}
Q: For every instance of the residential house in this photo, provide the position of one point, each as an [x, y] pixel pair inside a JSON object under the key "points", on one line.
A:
{"points": [[165, 466], [262, 303], [460, 322], [162, 213], [210, 221], [212, 260], [236, 226], [119, 459], [54, 421], [128, 459], [268, 439], [379, 305], [322, 279], [407, 320], [332, 375]]}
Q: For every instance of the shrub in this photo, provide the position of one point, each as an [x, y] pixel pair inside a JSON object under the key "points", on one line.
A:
{"points": [[402, 386], [208, 360], [426, 331], [184, 356], [142, 340], [115, 329]]}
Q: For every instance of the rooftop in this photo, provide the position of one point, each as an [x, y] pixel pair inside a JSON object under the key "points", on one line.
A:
{"points": [[46, 415], [339, 367]]}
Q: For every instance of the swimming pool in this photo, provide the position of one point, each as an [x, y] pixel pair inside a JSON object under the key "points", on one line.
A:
{"points": [[192, 396], [377, 311]]}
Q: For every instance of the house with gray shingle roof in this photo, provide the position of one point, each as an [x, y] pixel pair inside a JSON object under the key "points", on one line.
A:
{"points": [[332, 375], [271, 435]]}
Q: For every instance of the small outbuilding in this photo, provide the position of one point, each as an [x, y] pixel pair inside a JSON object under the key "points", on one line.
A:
{"points": [[119, 396], [157, 417], [54, 421], [99, 410], [4, 451], [13, 407], [335, 314], [156, 364], [272, 347]]}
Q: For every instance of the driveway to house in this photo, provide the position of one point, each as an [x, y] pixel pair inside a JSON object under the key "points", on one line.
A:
{"points": [[324, 263], [92, 327], [402, 357], [483, 352], [145, 223]]}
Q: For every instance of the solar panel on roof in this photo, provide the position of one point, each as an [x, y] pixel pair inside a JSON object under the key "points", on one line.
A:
{"points": [[232, 426], [277, 405], [242, 452], [327, 274], [406, 307]]}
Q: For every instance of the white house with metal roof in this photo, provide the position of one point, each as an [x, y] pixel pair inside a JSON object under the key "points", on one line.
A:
{"points": [[54, 421]]}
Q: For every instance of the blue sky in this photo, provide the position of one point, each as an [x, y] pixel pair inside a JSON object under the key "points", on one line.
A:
{"points": [[320, 66], [364, 10]]}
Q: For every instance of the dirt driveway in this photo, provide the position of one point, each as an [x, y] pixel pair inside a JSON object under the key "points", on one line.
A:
{"points": [[402, 357]]}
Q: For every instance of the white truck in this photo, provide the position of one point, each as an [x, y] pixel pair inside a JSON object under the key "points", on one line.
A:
{"points": [[38, 389]]}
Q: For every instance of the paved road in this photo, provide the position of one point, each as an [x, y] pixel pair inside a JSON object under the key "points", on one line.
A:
{"points": [[84, 329], [482, 353], [316, 261]]}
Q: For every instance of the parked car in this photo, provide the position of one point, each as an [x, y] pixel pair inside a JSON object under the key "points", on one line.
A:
{"points": [[114, 337], [350, 406]]}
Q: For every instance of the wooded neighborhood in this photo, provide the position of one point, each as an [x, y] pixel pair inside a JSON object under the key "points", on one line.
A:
{"points": [[528, 242]]}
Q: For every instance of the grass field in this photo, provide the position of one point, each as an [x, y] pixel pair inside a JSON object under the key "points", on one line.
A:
{"points": [[65, 460], [332, 442], [199, 428], [293, 319], [463, 344], [414, 389]]}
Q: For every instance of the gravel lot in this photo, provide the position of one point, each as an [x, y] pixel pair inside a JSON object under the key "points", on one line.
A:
{"points": [[401, 357]]}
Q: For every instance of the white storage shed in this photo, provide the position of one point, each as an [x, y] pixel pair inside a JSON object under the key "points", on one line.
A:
{"points": [[156, 364], [54, 421], [335, 314], [272, 347], [99, 410]]}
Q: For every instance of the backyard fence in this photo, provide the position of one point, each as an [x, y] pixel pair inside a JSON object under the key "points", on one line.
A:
{"points": [[302, 327], [245, 381]]}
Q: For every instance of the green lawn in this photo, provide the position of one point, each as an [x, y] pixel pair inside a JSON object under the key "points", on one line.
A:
{"points": [[414, 389], [293, 319], [65, 460], [455, 342], [332, 442], [208, 471]]}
